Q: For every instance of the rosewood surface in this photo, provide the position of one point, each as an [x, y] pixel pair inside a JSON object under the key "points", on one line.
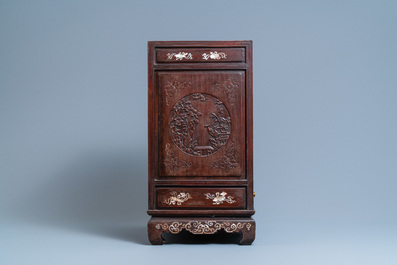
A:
{"points": [[200, 138]]}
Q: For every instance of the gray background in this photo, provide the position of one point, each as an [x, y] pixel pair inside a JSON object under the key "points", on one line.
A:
{"points": [[73, 129]]}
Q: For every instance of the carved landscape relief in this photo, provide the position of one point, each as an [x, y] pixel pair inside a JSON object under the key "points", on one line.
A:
{"points": [[199, 124]]}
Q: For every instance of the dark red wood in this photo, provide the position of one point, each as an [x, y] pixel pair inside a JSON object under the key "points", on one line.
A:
{"points": [[200, 131], [211, 85], [207, 212]]}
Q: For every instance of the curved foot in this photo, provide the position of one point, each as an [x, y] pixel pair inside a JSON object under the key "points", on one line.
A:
{"points": [[248, 236], [154, 234]]}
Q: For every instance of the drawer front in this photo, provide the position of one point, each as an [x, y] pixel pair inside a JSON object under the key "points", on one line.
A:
{"points": [[208, 198], [202, 55]]}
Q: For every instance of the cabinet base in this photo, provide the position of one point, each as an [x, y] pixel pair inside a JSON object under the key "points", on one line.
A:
{"points": [[200, 226]]}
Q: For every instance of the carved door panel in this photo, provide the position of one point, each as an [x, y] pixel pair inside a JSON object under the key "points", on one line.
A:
{"points": [[201, 117]]}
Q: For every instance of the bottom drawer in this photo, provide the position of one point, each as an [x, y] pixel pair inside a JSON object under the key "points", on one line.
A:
{"points": [[206, 198]]}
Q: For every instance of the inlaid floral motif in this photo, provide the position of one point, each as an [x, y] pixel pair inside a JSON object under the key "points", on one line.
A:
{"points": [[219, 198], [206, 227], [176, 198], [214, 55], [179, 56]]}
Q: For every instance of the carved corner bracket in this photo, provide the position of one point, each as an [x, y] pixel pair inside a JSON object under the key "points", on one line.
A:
{"points": [[228, 161], [229, 87], [171, 87], [172, 161]]}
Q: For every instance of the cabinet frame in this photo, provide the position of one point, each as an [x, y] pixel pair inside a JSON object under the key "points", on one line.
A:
{"points": [[243, 63]]}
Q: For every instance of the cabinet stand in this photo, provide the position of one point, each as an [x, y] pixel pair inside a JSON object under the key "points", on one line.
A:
{"points": [[201, 226]]}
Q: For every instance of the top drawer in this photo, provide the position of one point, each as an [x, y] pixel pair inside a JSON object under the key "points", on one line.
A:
{"points": [[200, 55]]}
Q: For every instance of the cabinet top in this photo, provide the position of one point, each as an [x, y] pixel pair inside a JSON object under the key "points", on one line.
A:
{"points": [[200, 43]]}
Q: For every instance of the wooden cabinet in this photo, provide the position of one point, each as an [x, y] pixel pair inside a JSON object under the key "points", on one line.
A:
{"points": [[200, 138]]}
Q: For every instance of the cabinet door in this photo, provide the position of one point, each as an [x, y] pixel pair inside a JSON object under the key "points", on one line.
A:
{"points": [[201, 124]]}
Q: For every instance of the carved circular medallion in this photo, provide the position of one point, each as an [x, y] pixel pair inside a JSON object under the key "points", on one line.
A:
{"points": [[199, 124]]}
